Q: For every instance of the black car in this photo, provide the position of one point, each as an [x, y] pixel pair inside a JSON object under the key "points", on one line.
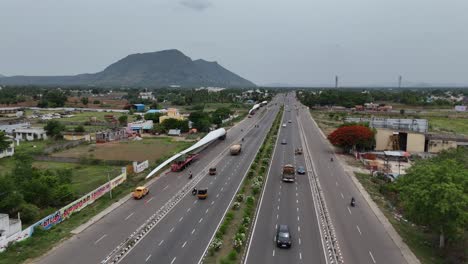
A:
{"points": [[283, 142], [300, 170], [283, 237]]}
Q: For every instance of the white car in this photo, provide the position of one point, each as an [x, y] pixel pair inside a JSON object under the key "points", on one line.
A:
{"points": [[284, 124]]}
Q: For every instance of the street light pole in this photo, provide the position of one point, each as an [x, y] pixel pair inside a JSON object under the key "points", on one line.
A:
{"points": [[110, 186]]}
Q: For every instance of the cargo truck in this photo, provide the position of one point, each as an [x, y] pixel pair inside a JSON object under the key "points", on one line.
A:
{"points": [[235, 149], [182, 162], [289, 173]]}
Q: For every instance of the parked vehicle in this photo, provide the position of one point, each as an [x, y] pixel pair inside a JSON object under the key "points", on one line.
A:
{"points": [[140, 192], [202, 193], [235, 149], [301, 170], [283, 237], [212, 171], [182, 162], [289, 173]]}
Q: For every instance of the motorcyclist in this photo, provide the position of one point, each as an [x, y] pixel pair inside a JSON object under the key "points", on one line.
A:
{"points": [[353, 202], [242, 139], [190, 175], [194, 191], [331, 159]]}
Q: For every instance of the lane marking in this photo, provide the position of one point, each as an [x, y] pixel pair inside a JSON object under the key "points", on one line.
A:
{"points": [[207, 211], [299, 241], [217, 195], [279, 200], [97, 241], [195, 202], [349, 210], [148, 258], [342, 197], [297, 194], [300, 255], [278, 207], [212, 202], [222, 188], [130, 215], [297, 201], [201, 219], [298, 218], [358, 229], [149, 200], [336, 183], [298, 229], [180, 219], [188, 210], [160, 243], [277, 216], [373, 260], [173, 260], [172, 229], [184, 244], [167, 186], [297, 209], [273, 252], [193, 231]]}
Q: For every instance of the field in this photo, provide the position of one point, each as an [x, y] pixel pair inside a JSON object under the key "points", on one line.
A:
{"points": [[147, 149], [85, 116]]}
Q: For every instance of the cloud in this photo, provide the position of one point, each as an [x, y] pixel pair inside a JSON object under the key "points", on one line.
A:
{"points": [[198, 5]]}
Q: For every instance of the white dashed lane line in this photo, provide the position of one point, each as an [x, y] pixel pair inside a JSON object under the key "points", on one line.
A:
{"points": [[185, 243], [172, 229], [97, 241], [349, 210], [180, 219], [148, 258], [207, 211], [372, 257], [167, 186], [130, 215], [212, 202], [201, 219], [342, 196], [173, 260], [160, 243], [359, 230], [193, 231], [188, 210]]}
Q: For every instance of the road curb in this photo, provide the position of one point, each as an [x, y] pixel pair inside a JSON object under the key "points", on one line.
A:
{"points": [[396, 238]]}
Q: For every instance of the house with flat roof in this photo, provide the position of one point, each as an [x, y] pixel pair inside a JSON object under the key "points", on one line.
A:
{"points": [[141, 126], [10, 151], [111, 135], [138, 107], [30, 134], [172, 113]]}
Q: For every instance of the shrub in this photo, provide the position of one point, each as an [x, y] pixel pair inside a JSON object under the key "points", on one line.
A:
{"points": [[255, 190], [250, 200], [245, 220], [254, 166], [216, 244], [240, 197], [250, 174], [229, 216], [235, 205]]}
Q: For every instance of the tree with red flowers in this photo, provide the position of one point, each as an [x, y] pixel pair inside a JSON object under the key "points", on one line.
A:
{"points": [[352, 137]]}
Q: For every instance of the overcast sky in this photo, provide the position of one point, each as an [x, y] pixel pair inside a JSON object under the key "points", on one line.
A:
{"points": [[265, 41]]}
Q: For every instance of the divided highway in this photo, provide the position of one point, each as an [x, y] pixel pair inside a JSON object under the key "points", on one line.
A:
{"points": [[360, 235], [184, 233]]}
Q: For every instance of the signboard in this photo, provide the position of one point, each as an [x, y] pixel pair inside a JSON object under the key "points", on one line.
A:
{"points": [[137, 168], [460, 108]]}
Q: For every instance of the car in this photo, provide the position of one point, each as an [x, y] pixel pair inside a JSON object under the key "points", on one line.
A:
{"points": [[283, 237], [284, 124], [289, 121], [283, 142], [301, 170], [212, 171], [140, 192]]}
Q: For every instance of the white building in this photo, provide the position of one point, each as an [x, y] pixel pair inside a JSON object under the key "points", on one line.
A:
{"points": [[29, 134], [146, 96], [9, 229], [8, 152]]}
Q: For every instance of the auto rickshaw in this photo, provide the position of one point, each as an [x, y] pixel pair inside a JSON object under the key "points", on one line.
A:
{"points": [[212, 171], [202, 193], [298, 151]]}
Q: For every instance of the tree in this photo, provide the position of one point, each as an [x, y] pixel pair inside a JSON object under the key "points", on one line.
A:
{"points": [[80, 129], [173, 123], [54, 98], [96, 102], [434, 193], [123, 119], [54, 128], [29, 212], [201, 120], [352, 137], [220, 114], [153, 116], [84, 100], [4, 141], [402, 111]]}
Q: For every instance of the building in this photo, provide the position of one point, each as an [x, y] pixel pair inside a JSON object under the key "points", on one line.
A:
{"points": [[9, 228], [140, 126], [111, 135], [436, 143], [174, 132], [138, 107], [386, 139], [11, 111], [156, 111], [10, 128], [76, 136], [171, 113], [30, 134], [146, 96], [414, 125], [8, 152]]}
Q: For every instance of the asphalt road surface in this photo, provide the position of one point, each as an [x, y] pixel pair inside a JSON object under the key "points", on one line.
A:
{"points": [[361, 236], [184, 233]]}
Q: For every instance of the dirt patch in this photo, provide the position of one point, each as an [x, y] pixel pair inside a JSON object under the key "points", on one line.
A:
{"points": [[148, 149]]}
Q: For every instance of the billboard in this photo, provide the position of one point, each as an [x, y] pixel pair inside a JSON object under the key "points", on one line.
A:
{"points": [[460, 108]]}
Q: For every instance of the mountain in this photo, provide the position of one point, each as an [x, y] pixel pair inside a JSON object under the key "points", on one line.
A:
{"points": [[1, 76], [154, 69]]}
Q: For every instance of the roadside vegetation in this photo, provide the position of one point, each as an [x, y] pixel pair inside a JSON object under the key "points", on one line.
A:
{"points": [[230, 240]]}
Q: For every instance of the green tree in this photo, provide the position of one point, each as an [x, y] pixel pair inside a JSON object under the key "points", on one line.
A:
{"points": [[201, 120], [5, 142], [53, 98], [402, 111], [172, 123], [434, 193], [79, 129], [96, 102], [123, 119], [220, 114], [84, 100], [153, 116], [29, 212], [54, 128]]}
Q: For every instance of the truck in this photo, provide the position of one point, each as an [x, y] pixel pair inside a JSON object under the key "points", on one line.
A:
{"points": [[289, 173], [235, 149], [183, 161]]}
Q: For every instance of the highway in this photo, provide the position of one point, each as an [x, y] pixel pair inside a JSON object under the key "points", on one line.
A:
{"points": [[360, 235], [183, 234]]}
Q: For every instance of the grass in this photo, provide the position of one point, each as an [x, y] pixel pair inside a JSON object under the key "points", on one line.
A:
{"points": [[86, 116], [417, 239], [451, 125], [147, 149]]}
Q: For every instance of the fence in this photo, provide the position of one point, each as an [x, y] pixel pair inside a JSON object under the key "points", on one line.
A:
{"points": [[65, 212]]}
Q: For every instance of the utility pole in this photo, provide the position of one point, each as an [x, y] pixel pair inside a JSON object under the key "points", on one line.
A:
{"points": [[399, 81], [336, 81]]}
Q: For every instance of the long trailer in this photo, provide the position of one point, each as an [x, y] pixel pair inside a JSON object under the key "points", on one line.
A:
{"points": [[183, 162]]}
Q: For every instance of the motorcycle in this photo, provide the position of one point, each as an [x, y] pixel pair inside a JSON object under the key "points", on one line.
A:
{"points": [[353, 202], [194, 191]]}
